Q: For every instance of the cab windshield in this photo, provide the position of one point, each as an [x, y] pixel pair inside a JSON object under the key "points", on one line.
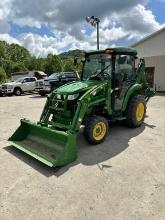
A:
{"points": [[99, 65], [54, 76], [19, 80]]}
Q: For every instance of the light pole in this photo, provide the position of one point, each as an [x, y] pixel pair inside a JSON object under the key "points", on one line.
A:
{"points": [[94, 22]]}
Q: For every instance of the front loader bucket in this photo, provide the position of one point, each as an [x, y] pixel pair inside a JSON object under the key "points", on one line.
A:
{"points": [[50, 146]]}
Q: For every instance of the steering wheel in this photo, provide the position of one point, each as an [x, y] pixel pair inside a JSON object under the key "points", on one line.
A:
{"points": [[95, 77], [99, 76]]}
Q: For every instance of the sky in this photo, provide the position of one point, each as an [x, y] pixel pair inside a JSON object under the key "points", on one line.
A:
{"points": [[55, 26]]}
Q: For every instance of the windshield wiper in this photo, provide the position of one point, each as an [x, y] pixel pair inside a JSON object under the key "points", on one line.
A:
{"points": [[100, 71]]}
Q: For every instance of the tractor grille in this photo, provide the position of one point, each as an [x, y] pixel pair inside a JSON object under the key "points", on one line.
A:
{"points": [[59, 104]]}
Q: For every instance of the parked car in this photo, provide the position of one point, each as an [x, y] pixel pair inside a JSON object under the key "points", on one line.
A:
{"points": [[37, 74], [25, 84], [54, 81]]}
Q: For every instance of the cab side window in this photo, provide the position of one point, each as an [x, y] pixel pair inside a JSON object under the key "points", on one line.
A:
{"points": [[32, 79], [124, 68], [25, 80]]}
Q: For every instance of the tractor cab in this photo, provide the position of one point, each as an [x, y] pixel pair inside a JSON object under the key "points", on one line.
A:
{"points": [[117, 66]]}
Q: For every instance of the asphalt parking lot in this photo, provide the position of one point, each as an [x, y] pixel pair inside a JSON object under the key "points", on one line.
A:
{"points": [[123, 178]]}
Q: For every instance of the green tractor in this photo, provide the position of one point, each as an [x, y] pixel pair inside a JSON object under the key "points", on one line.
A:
{"points": [[111, 89]]}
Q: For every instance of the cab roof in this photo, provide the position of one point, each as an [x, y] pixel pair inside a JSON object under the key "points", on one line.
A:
{"points": [[115, 50]]}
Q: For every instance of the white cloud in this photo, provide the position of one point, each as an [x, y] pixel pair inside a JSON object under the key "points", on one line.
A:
{"points": [[40, 46], [9, 39], [4, 27], [5, 8], [120, 21], [139, 19]]}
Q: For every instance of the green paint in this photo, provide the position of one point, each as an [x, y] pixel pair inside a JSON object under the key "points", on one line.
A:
{"points": [[75, 87], [53, 139]]}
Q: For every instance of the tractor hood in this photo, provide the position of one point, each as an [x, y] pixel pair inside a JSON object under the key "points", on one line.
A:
{"points": [[76, 87]]}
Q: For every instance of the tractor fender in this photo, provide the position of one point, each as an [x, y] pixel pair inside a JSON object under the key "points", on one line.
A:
{"points": [[133, 90]]}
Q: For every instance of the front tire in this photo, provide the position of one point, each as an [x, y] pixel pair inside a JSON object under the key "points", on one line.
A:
{"points": [[96, 129], [136, 110], [42, 94], [17, 91]]}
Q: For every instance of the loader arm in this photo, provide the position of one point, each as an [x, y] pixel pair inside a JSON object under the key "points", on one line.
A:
{"points": [[87, 102], [140, 74], [142, 80]]}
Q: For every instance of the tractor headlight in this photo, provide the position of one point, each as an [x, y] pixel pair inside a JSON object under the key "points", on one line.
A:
{"points": [[72, 97], [58, 96]]}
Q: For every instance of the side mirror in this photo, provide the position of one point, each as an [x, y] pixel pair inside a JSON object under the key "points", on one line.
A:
{"points": [[83, 59]]}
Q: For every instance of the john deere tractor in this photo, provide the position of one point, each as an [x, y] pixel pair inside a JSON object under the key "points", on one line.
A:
{"points": [[111, 89]]}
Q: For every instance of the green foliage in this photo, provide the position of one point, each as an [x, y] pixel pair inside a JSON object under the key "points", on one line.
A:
{"points": [[69, 65], [3, 76], [72, 53], [18, 53], [8, 65], [53, 64], [35, 63], [12, 57], [18, 67], [13, 52], [15, 58], [4, 49], [11, 67]]}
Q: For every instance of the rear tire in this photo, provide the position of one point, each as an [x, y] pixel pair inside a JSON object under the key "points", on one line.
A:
{"points": [[135, 112], [43, 95], [96, 129], [17, 91]]}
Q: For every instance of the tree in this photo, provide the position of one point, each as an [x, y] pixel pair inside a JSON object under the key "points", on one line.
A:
{"points": [[8, 66], [14, 58], [13, 52], [36, 63], [4, 49], [18, 53], [18, 67], [53, 64], [3, 75], [69, 65]]}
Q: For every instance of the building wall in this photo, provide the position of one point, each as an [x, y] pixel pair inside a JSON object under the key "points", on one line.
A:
{"points": [[154, 46], [159, 75]]}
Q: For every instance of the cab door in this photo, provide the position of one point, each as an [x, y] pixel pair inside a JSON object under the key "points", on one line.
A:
{"points": [[124, 77], [32, 83], [29, 84], [25, 85]]}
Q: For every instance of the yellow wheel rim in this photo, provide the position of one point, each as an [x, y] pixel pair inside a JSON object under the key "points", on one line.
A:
{"points": [[99, 131], [140, 111]]}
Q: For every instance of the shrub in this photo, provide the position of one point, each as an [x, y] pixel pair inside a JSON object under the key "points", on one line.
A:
{"points": [[3, 76]]}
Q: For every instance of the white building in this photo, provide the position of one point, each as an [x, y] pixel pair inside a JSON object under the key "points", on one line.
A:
{"points": [[152, 48]]}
